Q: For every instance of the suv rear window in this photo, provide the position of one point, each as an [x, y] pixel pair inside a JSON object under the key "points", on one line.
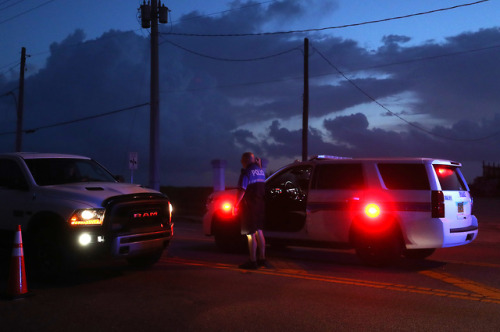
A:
{"points": [[404, 176], [449, 178], [339, 176]]}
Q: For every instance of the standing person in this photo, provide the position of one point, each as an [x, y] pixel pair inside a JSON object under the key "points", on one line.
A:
{"points": [[250, 203]]}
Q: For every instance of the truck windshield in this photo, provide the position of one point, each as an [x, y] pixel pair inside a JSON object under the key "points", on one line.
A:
{"points": [[51, 171]]}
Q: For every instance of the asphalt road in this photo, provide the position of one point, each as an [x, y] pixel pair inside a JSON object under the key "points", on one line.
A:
{"points": [[195, 287]]}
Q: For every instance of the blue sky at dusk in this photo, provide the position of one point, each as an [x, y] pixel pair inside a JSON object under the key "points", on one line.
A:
{"points": [[424, 85]]}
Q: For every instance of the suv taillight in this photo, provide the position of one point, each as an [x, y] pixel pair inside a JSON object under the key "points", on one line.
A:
{"points": [[437, 204], [471, 205]]}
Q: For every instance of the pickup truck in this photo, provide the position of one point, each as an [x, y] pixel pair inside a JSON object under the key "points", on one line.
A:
{"points": [[71, 208]]}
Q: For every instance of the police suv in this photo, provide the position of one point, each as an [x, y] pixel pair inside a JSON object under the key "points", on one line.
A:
{"points": [[384, 208], [71, 207]]}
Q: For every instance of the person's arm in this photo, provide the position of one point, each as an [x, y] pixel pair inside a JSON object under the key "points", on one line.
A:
{"points": [[242, 185], [239, 197], [258, 161]]}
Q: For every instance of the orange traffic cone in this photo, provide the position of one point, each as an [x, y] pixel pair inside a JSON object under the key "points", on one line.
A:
{"points": [[17, 286]]}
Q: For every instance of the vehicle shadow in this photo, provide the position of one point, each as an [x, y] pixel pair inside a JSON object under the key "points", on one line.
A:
{"points": [[350, 259], [304, 256], [86, 273]]}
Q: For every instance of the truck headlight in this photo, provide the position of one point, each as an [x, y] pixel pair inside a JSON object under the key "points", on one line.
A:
{"points": [[87, 217]]}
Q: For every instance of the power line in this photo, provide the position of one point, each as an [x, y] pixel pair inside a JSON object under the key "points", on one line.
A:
{"points": [[397, 115], [5, 1], [11, 92], [324, 28], [26, 11], [11, 66], [256, 34], [11, 5], [432, 57], [229, 59], [229, 86], [236, 85], [86, 42], [63, 123]]}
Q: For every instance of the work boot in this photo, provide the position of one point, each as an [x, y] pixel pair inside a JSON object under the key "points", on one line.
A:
{"points": [[249, 265]]}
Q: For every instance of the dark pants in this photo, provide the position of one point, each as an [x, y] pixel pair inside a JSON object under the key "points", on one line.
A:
{"points": [[252, 216]]}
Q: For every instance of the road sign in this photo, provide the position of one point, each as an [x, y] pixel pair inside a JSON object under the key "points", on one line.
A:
{"points": [[133, 162]]}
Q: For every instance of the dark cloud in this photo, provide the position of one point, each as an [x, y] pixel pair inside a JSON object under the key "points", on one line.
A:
{"points": [[351, 136], [458, 82], [283, 142], [110, 73], [204, 102]]}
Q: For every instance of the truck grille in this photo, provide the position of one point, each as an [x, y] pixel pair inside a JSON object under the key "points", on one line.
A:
{"points": [[139, 213]]}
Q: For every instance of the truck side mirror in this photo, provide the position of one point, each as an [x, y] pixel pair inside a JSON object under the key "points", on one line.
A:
{"points": [[119, 178]]}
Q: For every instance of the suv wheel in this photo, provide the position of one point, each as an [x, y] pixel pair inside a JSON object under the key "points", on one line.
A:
{"points": [[228, 236], [379, 251]]}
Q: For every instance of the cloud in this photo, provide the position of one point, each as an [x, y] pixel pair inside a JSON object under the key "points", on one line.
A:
{"points": [[284, 142], [207, 106], [459, 82], [110, 73], [351, 136]]}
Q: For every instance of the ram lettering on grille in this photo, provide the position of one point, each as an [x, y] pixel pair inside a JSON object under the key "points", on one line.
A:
{"points": [[145, 215]]}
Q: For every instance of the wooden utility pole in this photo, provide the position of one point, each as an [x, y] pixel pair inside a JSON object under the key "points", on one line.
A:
{"points": [[305, 101], [20, 103], [154, 138], [151, 14]]}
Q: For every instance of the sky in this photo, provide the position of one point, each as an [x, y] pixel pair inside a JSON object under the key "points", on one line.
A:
{"points": [[421, 85]]}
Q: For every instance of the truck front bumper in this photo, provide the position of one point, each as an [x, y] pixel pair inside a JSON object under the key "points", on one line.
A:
{"points": [[103, 244], [139, 244]]}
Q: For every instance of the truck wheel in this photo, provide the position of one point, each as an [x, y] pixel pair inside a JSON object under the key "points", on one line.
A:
{"points": [[46, 255], [418, 253], [228, 236], [145, 261]]}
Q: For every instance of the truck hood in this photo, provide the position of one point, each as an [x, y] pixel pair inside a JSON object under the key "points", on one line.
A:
{"points": [[91, 193]]}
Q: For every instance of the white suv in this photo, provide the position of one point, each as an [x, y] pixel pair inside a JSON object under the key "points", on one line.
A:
{"points": [[382, 207]]}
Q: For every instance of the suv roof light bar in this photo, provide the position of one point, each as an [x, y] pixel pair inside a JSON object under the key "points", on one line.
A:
{"points": [[325, 156]]}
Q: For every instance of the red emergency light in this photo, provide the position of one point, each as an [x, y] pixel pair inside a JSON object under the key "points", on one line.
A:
{"points": [[445, 171], [227, 207], [372, 210]]}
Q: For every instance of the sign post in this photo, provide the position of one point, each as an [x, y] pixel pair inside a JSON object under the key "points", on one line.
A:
{"points": [[133, 164]]}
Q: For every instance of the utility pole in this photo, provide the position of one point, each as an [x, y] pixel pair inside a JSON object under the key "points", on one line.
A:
{"points": [[151, 13], [20, 103], [305, 101]]}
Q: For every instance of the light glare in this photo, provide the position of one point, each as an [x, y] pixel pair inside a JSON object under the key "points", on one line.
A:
{"points": [[227, 206], [87, 214], [372, 210], [84, 239]]}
